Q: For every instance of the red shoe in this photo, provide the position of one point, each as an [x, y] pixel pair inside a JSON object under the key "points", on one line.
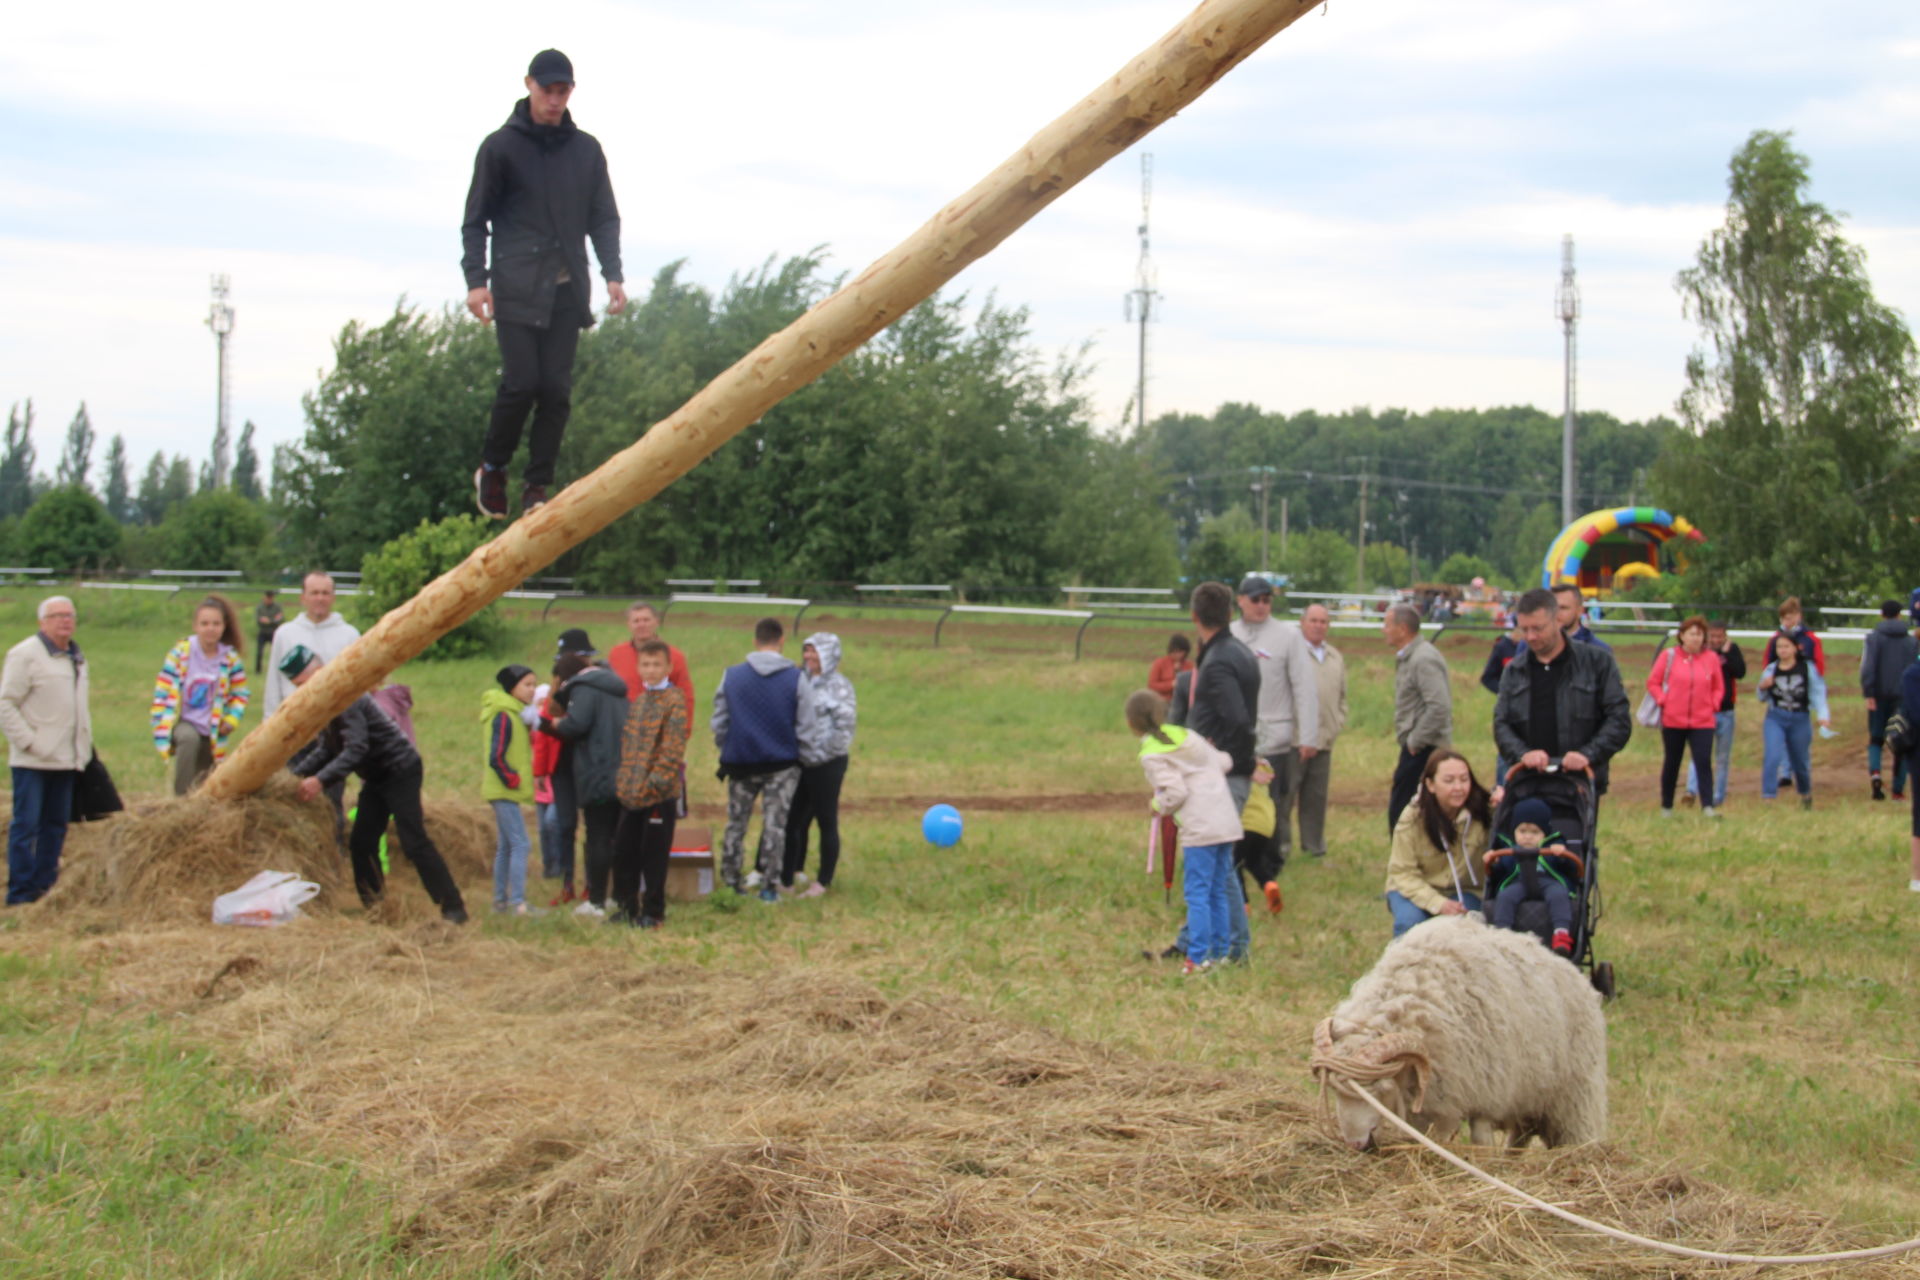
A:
{"points": [[565, 896], [1272, 891], [1563, 943]]}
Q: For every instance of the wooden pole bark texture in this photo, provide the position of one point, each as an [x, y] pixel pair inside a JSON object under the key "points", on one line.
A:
{"points": [[1174, 71]]}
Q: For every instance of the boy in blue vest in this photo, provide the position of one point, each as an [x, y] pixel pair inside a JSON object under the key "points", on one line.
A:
{"points": [[762, 712]]}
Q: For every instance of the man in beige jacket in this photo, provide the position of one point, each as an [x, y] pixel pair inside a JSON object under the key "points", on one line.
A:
{"points": [[43, 712], [1315, 772], [1422, 704]]}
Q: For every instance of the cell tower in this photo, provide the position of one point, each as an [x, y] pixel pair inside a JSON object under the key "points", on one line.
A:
{"points": [[1141, 302], [220, 320], [1567, 306]]}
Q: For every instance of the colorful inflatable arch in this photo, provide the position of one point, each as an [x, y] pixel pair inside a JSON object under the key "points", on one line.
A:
{"points": [[1603, 548]]}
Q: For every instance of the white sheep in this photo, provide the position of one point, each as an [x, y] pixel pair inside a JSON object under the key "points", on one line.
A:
{"points": [[1462, 1021]]}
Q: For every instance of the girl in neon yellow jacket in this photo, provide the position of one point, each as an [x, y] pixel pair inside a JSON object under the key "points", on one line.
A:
{"points": [[200, 695]]}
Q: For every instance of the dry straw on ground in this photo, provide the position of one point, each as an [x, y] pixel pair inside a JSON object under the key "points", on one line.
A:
{"points": [[167, 860], [615, 1110]]}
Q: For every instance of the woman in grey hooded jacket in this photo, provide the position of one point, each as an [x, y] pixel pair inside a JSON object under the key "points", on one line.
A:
{"points": [[823, 767]]}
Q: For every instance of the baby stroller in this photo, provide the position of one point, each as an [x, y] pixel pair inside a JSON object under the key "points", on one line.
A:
{"points": [[1576, 815]]}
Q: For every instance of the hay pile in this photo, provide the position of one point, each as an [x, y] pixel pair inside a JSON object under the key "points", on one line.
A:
{"points": [[167, 860], [602, 1111]]}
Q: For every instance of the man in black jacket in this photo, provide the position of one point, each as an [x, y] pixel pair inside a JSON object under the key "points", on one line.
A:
{"points": [[541, 185], [1560, 698], [363, 740], [1889, 652]]}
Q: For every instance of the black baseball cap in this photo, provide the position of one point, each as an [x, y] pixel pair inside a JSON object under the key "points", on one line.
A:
{"points": [[550, 66], [1254, 585], [574, 640]]}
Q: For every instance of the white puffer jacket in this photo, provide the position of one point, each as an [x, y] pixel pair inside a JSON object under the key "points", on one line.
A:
{"points": [[1189, 778]]}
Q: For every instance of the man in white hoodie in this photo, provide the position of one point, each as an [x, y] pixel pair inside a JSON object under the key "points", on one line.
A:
{"points": [[317, 627], [1287, 732]]}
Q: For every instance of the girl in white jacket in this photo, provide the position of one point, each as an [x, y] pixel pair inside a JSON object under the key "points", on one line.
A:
{"points": [[1189, 778]]}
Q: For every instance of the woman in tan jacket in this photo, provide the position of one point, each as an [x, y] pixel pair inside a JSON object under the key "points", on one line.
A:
{"points": [[1435, 864]]}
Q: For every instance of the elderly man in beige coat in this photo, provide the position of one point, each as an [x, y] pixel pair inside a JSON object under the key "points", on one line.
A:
{"points": [[1315, 772], [43, 712]]}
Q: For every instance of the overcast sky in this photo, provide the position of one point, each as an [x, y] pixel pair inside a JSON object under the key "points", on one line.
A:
{"points": [[1367, 212]]}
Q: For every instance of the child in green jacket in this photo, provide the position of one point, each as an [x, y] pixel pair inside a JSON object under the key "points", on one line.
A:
{"points": [[508, 783]]}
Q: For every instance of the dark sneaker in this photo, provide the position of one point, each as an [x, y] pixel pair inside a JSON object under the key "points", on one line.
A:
{"points": [[454, 915], [490, 493], [532, 498], [1879, 788], [647, 922], [769, 894]]}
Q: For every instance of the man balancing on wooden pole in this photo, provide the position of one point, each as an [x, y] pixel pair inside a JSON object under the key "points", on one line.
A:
{"points": [[1173, 71], [541, 185]]}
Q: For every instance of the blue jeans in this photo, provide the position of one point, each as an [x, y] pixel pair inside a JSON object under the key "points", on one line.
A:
{"points": [[1876, 735], [509, 856], [547, 817], [42, 804], [1209, 870], [1239, 935], [1788, 736], [1406, 914], [1722, 759]]}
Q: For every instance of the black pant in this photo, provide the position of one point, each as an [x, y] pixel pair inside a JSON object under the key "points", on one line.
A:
{"points": [[396, 797], [642, 845], [536, 372], [1676, 742], [817, 799], [1406, 782], [602, 821], [566, 813]]}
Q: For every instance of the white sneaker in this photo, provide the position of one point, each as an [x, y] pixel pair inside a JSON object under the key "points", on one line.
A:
{"points": [[753, 879], [1710, 812], [589, 910], [1914, 885], [814, 890], [800, 879]]}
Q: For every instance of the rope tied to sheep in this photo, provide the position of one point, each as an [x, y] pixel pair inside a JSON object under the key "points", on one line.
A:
{"points": [[1338, 1077]]}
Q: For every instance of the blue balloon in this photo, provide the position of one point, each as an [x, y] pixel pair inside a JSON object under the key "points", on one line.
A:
{"points": [[941, 826]]}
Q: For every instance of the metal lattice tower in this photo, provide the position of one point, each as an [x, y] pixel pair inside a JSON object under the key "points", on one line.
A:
{"points": [[220, 320], [1567, 307], [1141, 303]]}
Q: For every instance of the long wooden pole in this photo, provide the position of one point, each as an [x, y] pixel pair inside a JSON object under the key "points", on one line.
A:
{"points": [[1172, 72]]}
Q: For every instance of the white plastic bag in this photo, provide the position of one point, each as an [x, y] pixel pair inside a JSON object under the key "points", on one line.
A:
{"points": [[270, 898]]}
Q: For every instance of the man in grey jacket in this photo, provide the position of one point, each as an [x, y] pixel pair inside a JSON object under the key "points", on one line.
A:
{"points": [[44, 713], [1287, 721], [1890, 648], [1422, 704]]}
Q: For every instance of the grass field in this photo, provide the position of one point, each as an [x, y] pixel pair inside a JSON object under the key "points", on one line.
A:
{"points": [[1764, 1037]]}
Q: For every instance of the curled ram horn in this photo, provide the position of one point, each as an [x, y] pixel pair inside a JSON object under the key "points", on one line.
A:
{"points": [[1400, 1048], [1323, 1036]]}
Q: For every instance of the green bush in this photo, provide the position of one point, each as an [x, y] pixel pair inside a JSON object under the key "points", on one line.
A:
{"points": [[396, 572], [1461, 568], [69, 530], [217, 529]]}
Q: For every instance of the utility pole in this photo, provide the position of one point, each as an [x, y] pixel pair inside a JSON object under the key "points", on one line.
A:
{"points": [[1360, 557], [1141, 302], [1283, 528], [1567, 306], [1263, 485], [220, 320]]}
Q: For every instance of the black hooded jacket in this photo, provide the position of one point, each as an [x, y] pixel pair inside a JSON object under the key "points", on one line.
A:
{"points": [[363, 739], [544, 189]]}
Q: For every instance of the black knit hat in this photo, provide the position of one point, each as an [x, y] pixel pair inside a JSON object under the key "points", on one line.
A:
{"points": [[1534, 812], [510, 676]]}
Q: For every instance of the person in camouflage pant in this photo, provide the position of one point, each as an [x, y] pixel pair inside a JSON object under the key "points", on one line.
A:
{"points": [[763, 720]]}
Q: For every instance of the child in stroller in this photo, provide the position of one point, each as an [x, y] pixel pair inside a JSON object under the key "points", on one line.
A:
{"points": [[1531, 868]]}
